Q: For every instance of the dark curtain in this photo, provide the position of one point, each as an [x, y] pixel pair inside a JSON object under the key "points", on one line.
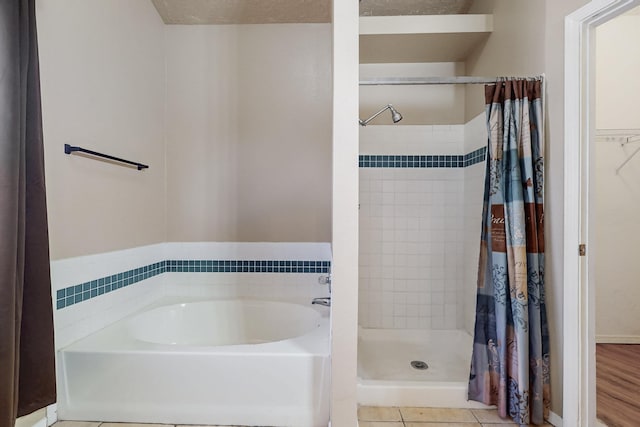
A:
{"points": [[27, 375]]}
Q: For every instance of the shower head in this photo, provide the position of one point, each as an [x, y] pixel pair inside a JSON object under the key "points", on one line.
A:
{"points": [[395, 115]]}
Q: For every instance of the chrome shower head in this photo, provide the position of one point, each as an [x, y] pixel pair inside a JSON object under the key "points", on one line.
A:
{"points": [[395, 115]]}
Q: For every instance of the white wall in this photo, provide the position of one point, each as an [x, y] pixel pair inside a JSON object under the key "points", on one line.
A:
{"points": [[617, 63], [249, 132], [617, 195], [102, 77], [243, 116], [554, 15], [344, 236], [201, 132], [419, 105], [514, 48]]}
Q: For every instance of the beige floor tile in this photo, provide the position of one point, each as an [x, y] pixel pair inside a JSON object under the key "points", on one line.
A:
{"points": [[380, 424], [378, 413], [510, 424], [76, 424], [490, 416], [442, 425], [133, 425], [498, 424], [440, 415]]}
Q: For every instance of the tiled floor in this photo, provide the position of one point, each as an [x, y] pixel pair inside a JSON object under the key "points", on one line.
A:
{"points": [[370, 416]]}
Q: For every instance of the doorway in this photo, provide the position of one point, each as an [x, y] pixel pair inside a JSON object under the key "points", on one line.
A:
{"points": [[580, 242], [615, 172]]}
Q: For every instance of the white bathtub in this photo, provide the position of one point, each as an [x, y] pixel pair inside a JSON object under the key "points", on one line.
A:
{"points": [[237, 362]]}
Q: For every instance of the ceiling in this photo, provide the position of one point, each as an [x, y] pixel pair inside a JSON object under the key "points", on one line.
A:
{"points": [[292, 11], [413, 7]]}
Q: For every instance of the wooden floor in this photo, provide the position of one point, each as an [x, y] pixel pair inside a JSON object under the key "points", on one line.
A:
{"points": [[618, 384]]}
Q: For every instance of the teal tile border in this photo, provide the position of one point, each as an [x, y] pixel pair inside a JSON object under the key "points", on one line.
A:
{"points": [[84, 291], [422, 161]]}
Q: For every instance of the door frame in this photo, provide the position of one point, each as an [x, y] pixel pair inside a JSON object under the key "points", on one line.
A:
{"points": [[579, 385]]}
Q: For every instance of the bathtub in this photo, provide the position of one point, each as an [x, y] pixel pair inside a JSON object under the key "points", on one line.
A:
{"points": [[225, 362]]}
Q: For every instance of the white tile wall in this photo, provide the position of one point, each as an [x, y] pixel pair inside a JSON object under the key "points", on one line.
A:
{"points": [[475, 134], [410, 241], [418, 139], [410, 247], [415, 259], [82, 319], [289, 287]]}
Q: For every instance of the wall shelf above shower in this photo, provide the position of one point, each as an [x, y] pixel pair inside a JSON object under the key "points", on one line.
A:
{"points": [[421, 38]]}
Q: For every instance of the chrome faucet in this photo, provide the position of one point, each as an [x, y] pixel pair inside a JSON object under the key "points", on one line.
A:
{"points": [[326, 301], [325, 280]]}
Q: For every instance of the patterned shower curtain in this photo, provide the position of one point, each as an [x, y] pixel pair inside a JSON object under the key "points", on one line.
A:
{"points": [[510, 362]]}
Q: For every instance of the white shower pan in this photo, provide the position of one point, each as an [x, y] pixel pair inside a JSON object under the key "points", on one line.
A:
{"points": [[386, 377]]}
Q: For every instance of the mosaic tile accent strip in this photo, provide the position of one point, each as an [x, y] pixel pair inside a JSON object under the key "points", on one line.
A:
{"points": [[94, 288], [84, 291], [422, 161], [476, 156], [392, 161], [243, 266]]}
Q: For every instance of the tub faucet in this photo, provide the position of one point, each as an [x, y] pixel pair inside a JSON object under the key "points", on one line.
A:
{"points": [[325, 280], [326, 301]]}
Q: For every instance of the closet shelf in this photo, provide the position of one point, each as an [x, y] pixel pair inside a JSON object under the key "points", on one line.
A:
{"points": [[622, 137]]}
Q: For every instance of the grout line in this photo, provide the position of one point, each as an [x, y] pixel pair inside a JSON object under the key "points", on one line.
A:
{"points": [[475, 416], [401, 417]]}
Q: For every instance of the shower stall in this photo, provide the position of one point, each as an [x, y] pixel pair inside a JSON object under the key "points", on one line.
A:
{"points": [[421, 189]]}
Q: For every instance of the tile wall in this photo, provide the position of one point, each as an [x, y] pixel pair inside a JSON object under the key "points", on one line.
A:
{"points": [[93, 291], [413, 241], [474, 136]]}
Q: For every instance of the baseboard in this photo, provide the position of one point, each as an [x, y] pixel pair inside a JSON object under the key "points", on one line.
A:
{"points": [[555, 419], [52, 414], [617, 339]]}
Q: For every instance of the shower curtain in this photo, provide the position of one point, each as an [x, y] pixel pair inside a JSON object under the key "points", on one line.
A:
{"points": [[27, 377], [510, 361]]}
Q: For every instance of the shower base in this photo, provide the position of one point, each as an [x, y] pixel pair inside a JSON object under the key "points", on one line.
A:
{"points": [[386, 377]]}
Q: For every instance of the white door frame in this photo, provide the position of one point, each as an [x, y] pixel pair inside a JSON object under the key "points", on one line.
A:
{"points": [[579, 391]]}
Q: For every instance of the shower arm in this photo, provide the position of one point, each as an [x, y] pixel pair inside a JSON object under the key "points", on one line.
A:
{"points": [[364, 122]]}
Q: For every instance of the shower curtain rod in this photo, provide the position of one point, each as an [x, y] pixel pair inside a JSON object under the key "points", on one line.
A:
{"points": [[373, 81]]}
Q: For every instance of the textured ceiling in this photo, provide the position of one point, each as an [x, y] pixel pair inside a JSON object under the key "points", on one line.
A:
{"points": [[292, 11], [243, 11], [413, 7]]}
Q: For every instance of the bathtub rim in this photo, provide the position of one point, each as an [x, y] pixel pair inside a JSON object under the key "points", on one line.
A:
{"points": [[268, 321], [115, 338]]}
